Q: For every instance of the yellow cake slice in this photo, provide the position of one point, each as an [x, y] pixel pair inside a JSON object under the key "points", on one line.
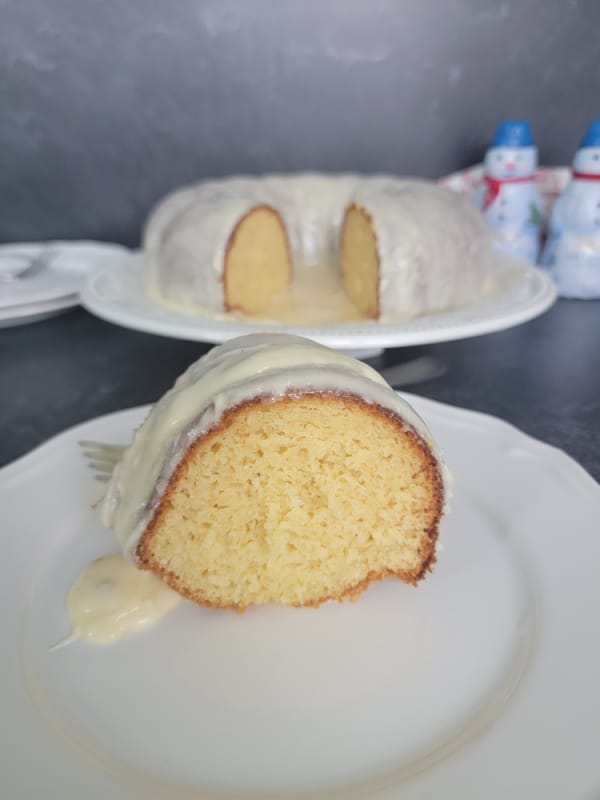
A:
{"points": [[277, 470]]}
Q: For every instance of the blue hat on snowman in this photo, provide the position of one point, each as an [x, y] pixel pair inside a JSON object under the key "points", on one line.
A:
{"points": [[592, 137], [513, 133]]}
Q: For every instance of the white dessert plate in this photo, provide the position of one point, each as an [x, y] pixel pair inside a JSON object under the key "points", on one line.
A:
{"points": [[117, 295], [482, 682], [36, 312], [49, 271]]}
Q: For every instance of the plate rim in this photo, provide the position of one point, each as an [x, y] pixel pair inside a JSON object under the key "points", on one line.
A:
{"points": [[21, 310], [66, 247], [204, 328]]}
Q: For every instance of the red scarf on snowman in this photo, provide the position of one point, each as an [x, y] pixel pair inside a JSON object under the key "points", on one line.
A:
{"points": [[493, 186], [586, 176]]}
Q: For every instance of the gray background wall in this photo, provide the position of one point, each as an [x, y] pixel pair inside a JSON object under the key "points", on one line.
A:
{"points": [[108, 104]]}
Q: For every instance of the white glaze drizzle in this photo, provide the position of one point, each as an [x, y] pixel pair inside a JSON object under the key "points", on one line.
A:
{"points": [[266, 365], [316, 296], [434, 248], [112, 599]]}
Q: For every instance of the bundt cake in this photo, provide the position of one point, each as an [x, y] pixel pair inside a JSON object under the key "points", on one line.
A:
{"points": [[278, 470], [402, 247]]}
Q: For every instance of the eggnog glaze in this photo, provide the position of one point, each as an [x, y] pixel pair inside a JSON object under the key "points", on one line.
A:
{"points": [[259, 365], [434, 248], [112, 599]]}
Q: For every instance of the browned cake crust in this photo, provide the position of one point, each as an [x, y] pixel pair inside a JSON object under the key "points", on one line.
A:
{"points": [[231, 240], [412, 440]]}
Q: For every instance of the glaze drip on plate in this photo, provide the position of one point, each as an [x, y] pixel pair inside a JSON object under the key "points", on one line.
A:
{"points": [[112, 599]]}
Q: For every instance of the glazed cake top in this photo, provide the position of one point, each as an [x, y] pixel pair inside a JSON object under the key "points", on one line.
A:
{"points": [[433, 246], [257, 365]]}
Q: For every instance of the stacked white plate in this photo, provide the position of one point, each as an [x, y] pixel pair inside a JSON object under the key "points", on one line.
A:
{"points": [[39, 280]]}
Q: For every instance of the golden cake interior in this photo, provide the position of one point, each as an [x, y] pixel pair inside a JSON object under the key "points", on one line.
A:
{"points": [[360, 261], [257, 261], [296, 500]]}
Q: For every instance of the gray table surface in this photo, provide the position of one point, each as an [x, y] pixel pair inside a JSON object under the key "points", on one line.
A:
{"points": [[543, 376]]}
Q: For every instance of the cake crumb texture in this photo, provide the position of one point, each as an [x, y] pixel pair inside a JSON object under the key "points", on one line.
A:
{"points": [[296, 499], [359, 261], [257, 261]]}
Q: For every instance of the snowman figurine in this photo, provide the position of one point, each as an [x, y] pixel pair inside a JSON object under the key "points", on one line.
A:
{"points": [[572, 252], [507, 195]]}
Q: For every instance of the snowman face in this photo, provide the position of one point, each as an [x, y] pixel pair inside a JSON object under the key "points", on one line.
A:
{"points": [[510, 162], [587, 160]]}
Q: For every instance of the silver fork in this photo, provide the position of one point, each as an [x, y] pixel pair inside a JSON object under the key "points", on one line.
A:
{"points": [[101, 458]]}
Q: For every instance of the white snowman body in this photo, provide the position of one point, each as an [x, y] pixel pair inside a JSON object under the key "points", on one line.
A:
{"points": [[509, 200], [577, 210], [572, 252]]}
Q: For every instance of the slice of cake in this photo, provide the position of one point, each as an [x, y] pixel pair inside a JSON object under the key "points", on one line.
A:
{"points": [[278, 470]]}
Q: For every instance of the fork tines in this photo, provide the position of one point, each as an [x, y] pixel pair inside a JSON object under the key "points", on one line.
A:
{"points": [[101, 458]]}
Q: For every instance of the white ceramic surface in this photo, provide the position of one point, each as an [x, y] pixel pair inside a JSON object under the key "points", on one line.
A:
{"points": [[483, 682], [52, 271], [36, 312], [118, 296]]}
